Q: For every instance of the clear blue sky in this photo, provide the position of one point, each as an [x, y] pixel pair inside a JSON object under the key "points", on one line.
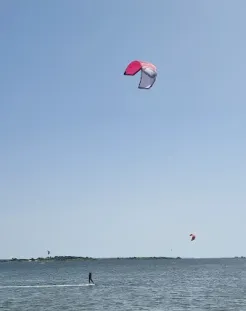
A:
{"points": [[89, 164]]}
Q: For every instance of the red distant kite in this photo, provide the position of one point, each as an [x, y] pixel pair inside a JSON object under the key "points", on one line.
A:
{"points": [[148, 73], [193, 237]]}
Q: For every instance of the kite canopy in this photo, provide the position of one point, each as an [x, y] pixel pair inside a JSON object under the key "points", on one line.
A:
{"points": [[192, 236], [148, 73]]}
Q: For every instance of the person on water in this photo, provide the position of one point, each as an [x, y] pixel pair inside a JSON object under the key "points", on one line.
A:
{"points": [[90, 278]]}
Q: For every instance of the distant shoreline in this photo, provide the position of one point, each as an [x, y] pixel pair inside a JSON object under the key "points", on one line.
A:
{"points": [[76, 258]]}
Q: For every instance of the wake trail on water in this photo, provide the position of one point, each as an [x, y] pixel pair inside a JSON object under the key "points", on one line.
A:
{"points": [[44, 286]]}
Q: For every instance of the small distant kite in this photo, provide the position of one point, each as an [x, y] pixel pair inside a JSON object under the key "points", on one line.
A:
{"points": [[193, 236], [148, 73]]}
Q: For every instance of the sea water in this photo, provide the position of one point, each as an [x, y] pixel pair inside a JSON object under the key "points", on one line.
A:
{"points": [[173, 285]]}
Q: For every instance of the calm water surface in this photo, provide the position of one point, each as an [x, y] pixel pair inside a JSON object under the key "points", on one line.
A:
{"points": [[173, 285]]}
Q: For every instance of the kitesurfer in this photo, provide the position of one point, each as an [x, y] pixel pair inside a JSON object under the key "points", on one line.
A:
{"points": [[90, 278]]}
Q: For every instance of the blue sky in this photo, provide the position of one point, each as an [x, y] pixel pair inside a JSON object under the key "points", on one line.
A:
{"points": [[89, 164]]}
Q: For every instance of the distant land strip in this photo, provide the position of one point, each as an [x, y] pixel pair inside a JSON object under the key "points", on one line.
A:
{"points": [[76, 258]]}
